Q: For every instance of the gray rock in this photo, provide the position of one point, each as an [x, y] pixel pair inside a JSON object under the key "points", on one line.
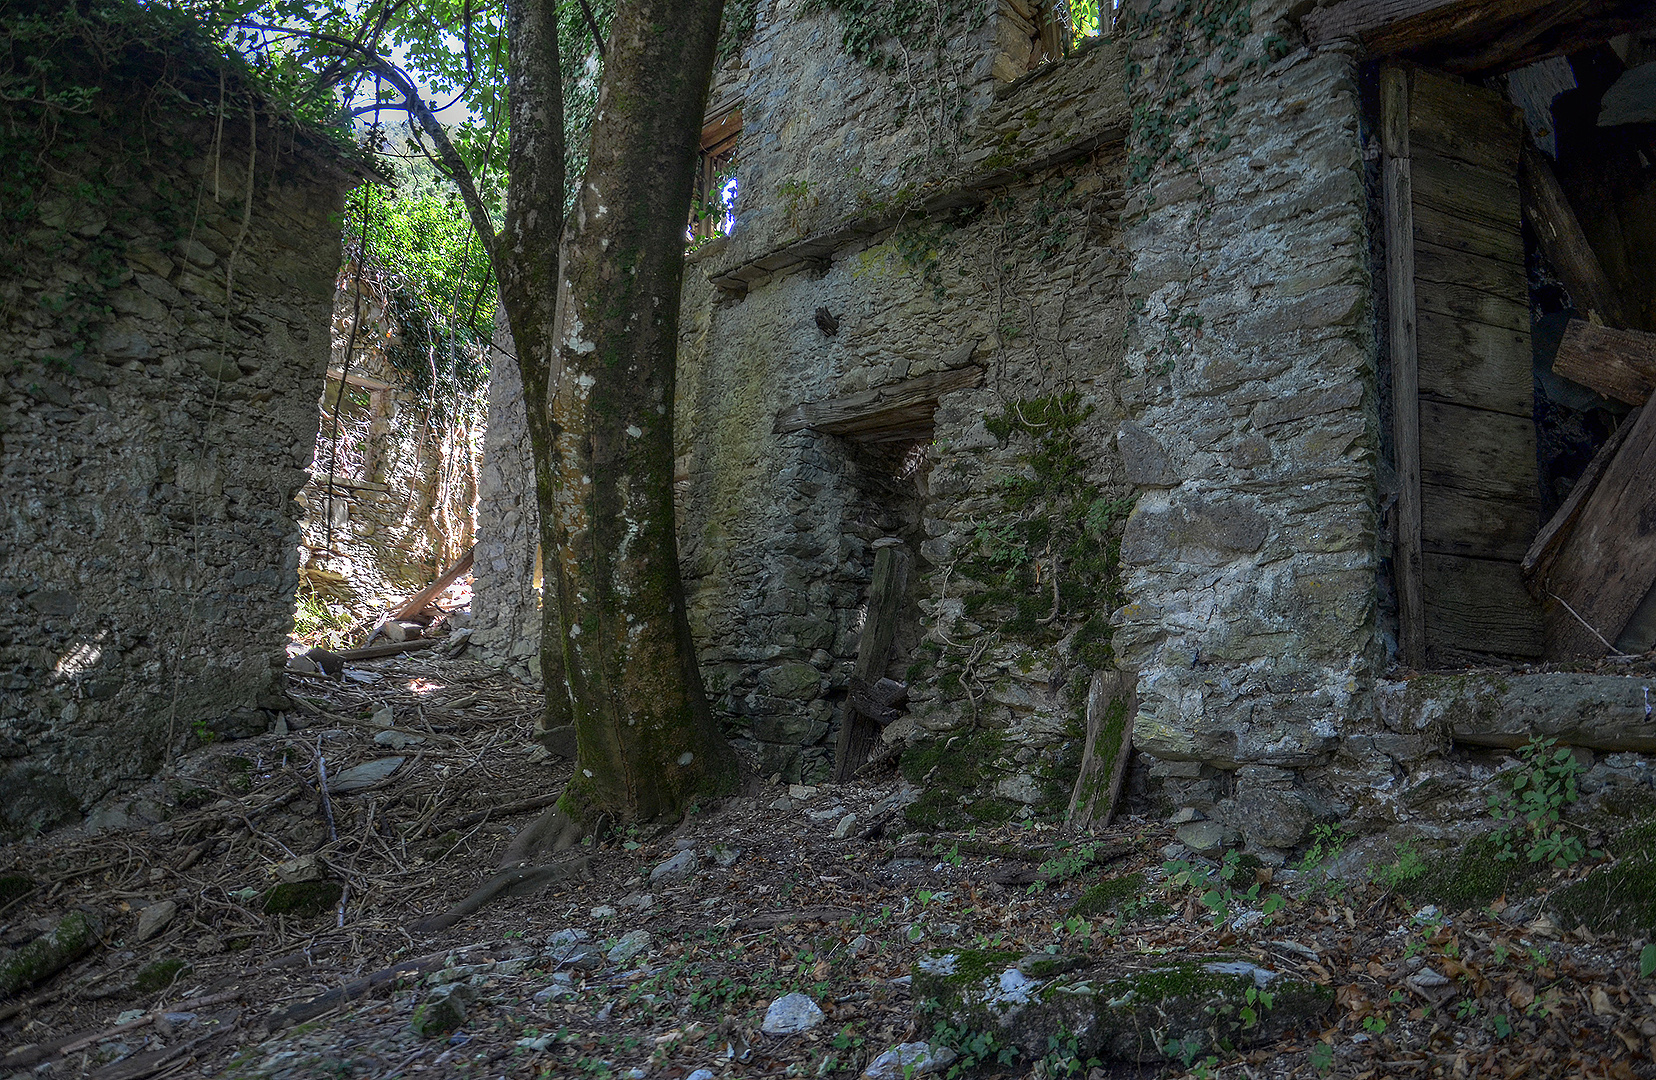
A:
{"points": [[1144, 459], [572, 948], [631, 944], [1271, 817], [680, 867], [909, 1059], [701, 1074], [726, 856], [791, 1014], [364, 775], [1202, 837], [154, 919], [845, 826], [396, 740], [1121, 1009], [443, 1010]]}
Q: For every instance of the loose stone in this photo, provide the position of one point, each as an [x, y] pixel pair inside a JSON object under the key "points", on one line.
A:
{"points": [[791, 1014]]}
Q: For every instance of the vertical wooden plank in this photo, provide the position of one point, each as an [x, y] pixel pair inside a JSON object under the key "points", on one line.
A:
{"points": [[1405, 362], [859, 733], [1112, 702]]}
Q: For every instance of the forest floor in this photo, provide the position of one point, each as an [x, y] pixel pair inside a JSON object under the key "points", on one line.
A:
{"points": [[775, 904]]}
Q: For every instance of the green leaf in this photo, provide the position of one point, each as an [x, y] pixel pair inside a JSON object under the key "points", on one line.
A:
{"points": [[1647, 961]]}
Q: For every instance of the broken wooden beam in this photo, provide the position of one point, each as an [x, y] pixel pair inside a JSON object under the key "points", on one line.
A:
{"points": [[1112, 702], [1619, 364], [900, 410], [1562, 240], [859, 732], [1607, 563], [363, 382], [417, 603], [1538, 560]]}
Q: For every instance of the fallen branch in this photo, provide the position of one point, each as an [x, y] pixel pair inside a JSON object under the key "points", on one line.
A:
{"points": [[506, 883], [417, 603], [773, 919], [466, 821], [311, 1008], [149, 1018]]}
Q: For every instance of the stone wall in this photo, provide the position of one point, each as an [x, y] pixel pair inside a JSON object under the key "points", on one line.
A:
{"points": [[1251, 554], [404, 488], [995, 248], [505, 615], [164, 334]]}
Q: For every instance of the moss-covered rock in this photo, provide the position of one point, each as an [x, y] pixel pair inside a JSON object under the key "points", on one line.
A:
{"points": [[1474, 876], [1123, 1009], [303, 899], [1620, 896], [159, 975], [957, 773], [1107, 897], [49, 953]]}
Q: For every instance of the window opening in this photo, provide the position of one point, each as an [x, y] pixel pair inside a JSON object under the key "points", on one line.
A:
{"points": [[713, 211]]}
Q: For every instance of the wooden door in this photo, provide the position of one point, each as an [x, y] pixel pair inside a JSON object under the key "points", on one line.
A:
{"points": [[1461, 368]]}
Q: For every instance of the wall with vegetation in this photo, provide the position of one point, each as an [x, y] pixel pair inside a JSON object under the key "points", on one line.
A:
{"points": [[163, 335], [1250, 374], [943, 218]]}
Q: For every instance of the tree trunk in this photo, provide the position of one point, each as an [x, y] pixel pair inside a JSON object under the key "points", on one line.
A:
{"points": [[526, 265], [647, 743]]}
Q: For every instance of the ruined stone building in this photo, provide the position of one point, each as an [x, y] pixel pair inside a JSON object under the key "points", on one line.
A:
{"points": [[1199, 381], [164, 318]]}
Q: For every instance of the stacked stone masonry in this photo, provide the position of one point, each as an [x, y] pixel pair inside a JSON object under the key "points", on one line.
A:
{"points": [[164, 340]]}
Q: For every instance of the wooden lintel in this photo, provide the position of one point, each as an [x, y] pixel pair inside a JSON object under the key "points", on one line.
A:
{"points": [[351, 378], [1619, 364], [1473, 35], [882, 414]]}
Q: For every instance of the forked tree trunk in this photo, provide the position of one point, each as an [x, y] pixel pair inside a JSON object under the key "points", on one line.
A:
{"points": [[647, 743], [526, 264]]}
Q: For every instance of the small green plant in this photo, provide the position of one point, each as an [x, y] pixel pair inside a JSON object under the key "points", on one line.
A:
{"points": [[1406, 866], [1647, 961], [1256, 1003], [1374, 1025], [1322, 1057], [1532, 812], [1216, 889], [1500, 1025]]}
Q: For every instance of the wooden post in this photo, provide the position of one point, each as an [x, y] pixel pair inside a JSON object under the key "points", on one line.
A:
{"points": [[1563, 242], [1112, 702], [858, 732], [1405, 363]]}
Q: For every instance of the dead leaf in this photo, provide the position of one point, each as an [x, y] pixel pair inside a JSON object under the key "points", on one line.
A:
{"points": [[1601, 1003], [1521, 994]]}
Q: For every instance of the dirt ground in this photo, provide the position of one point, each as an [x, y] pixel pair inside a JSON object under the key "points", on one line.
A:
{"points": [[785, 897]]}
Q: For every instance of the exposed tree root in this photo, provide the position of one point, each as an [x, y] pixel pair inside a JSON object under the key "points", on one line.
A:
{"points": [[513, 882], [552, 832]]}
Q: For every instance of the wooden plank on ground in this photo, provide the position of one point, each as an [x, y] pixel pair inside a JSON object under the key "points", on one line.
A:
{"points": [[1473, 364], [1455, 522], [1112, 702], [1405, 375], [1478, 605], [1483, 453], [1559, 233], [1538, 560], [1608, 562], [1619, 364], [901, 407], [859, 733]]}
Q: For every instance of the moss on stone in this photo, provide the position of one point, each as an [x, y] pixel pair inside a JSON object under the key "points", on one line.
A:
{"points": [[51, 952], [1619, 897], [1473, 876], [1107, 897], [952, 769], [159, 975], [303, 899], [13, 886]]}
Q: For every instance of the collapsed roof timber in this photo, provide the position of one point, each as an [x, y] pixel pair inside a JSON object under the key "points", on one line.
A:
{"points": [[1220, 378]]}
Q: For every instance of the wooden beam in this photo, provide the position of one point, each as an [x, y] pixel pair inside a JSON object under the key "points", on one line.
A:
{"points": [[1619, 364], [417, 603], [1405, 363], [896, 410], [1607, 564], [1562, 240], [1538, 560], [858, 732], [1112, 702], [351, 378], [1464, 36]]}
